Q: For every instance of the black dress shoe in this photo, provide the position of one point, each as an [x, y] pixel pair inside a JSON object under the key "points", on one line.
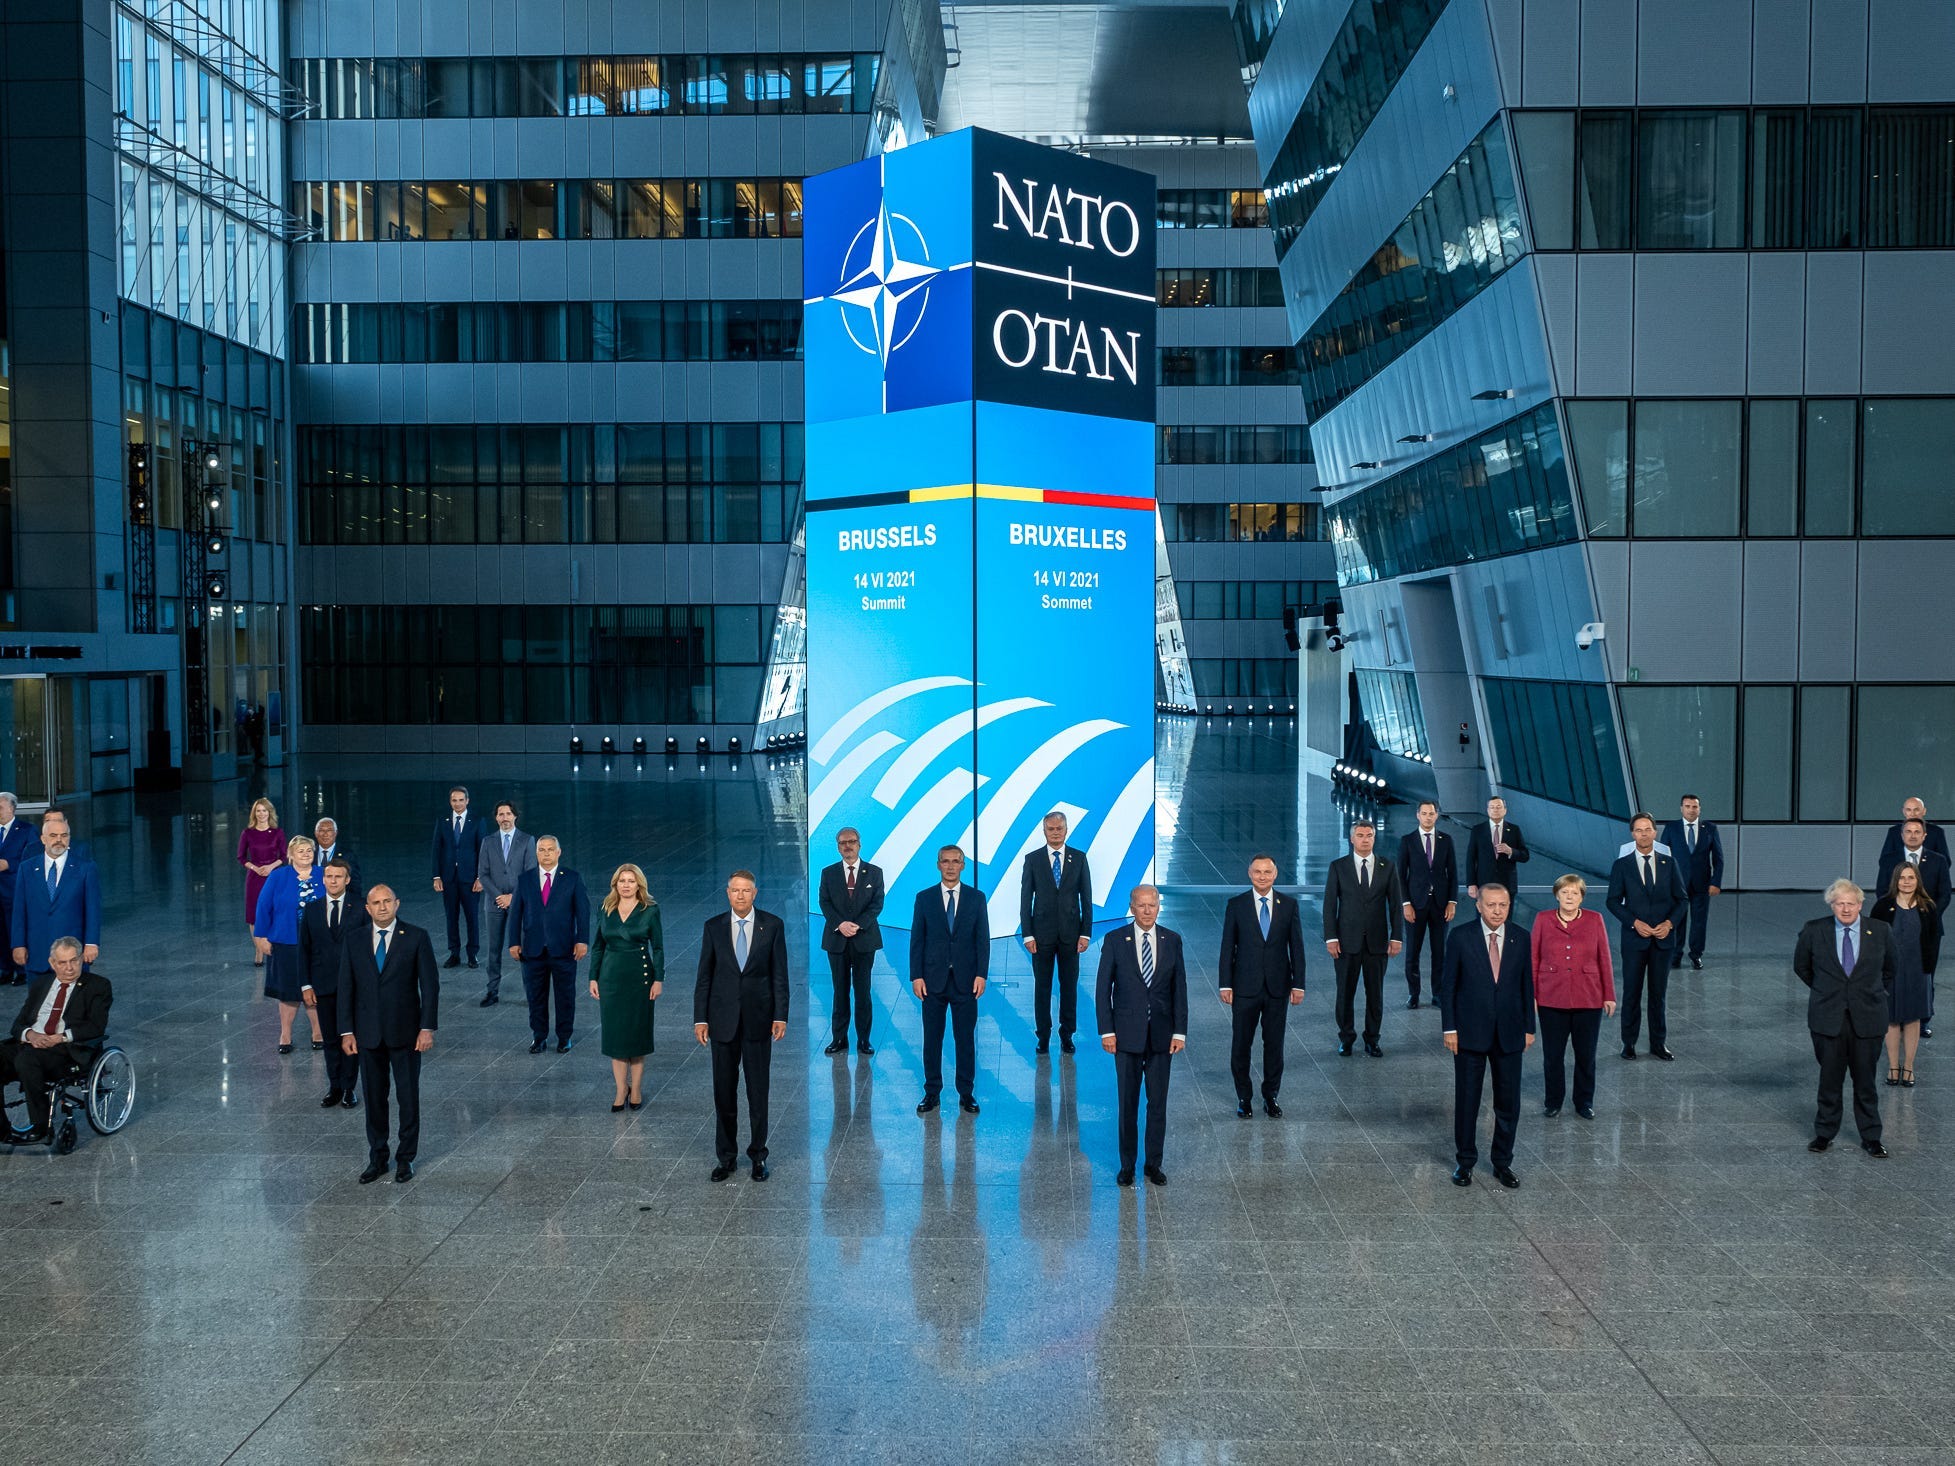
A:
{"points": [[1661, 1053], [1819, 1143], [835, 1047], [489, 1000], [1125, 1178], [1244, 1109], [1272, 1109], [1927, 1032], [1462, 1176], [865, 1047], [925, 1105], [348, 1100], [1045, 1046], [1696, 964], [403, 1173], [1066, 1046], [374, 1171], [1373, 1049], [1548, 1112], [1413, 1001], [1587, 1112], [330, 1101], [968, 1106], [1629, 1051], [453, 961], [720, 1173], [563, 1045], [1156, 1175], [536, 1046], [1344, 1048], [1505, 1176], [1875, 1149], [760, 1171]]}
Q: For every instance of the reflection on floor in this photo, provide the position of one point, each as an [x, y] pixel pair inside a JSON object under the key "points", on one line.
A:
{"points": [[1677, 1280]]}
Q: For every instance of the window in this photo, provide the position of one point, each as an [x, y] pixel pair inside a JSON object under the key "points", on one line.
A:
{"points": [[1824, 730], [1391, 706], [1909, 446], [1212, 285], [1691, 176], [1911, 179], [1767, 754], [1545, 142], [1831, 449], [1209, 444], [1682, 738], [1230, 366], [1686, 469], [1905, 747], [1556, 740], [1605, 187], [1772, 469], [1599, 434], [600, 208]]}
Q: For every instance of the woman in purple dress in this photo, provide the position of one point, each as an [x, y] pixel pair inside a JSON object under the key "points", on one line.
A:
{"points": [[261, 850]]}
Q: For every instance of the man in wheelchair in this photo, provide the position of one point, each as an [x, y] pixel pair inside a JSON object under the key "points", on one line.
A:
{"points": [[66, 1013]]}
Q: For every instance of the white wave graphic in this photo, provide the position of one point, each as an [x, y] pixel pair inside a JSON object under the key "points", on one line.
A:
{"points": [[917, 757], [998, 817], [825, 794], [1008, 870], [845, 726], [919, 822], [1124, 823]]}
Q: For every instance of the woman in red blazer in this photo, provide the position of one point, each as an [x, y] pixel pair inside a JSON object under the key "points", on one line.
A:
{"points": [[1574, 986]]}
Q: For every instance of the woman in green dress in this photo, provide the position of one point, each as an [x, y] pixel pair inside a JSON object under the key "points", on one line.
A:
{"points": [[627, 971]]}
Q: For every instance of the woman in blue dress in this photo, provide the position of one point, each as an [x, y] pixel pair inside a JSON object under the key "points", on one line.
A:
{"points": [[275, 930], [1910, 911]]}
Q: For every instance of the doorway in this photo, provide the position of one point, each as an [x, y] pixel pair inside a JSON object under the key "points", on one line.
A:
{"points": [[37, 749]]}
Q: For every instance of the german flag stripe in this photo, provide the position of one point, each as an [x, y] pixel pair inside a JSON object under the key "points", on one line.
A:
{"points": [[942, 492]]}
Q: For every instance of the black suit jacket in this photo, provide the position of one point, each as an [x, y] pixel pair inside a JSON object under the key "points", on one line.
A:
{"points": [[863, 908], [353, 887], [1055, 912], [1428, 887], [1703, 869], [1934, 876], [1363, 920], [1141, 1018], [947, 961], [556, 930], [1865, 992], [1489, 1017], [85, 1015], [321, 949], [1484, 867], [727, 996], [1252, 965], [388, 1007], [1891, 847], [455, 859], [1630, 901]]}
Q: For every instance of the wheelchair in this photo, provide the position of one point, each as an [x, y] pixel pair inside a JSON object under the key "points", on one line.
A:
{"points": [[101, 1085]]}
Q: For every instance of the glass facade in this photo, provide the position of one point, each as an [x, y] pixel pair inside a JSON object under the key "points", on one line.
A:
{"points": [[421, 210], [1210, 208], [1211, 443], [1391, 706], [1274, 678], [1217, 285], [1248, 600], [1229, 366], [1556, 740], [509, 332], [1241, 523]]}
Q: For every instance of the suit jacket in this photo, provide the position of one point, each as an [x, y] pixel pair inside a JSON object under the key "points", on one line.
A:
{"points": [[17, 847], [1630, 901], [1865, 992], [1489, 1017], [1705, 868], [947, 961], [1363, 920], [85, 1015], [1931, 928], [499, 876], [1934, 876], [555, 930], [321, 949], [1055, 912], [387, 1007], [1483, 866], [837, 906], [728, 997], [1141, 1018], [1428, 887], [75, 910], [455, 856], [1891, 847], [354, 889], [1253, 965]]}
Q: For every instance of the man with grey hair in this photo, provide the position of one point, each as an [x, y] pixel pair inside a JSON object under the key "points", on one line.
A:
{"points": [[17, 842], [328, 847], [549, 932], [1848, 963], [67, 1011], [1141, 1000]]}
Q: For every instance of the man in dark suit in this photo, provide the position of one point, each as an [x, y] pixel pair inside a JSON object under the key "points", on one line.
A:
{"points": [[65, 1015], [59, 894], [328, 847], [1142, 1002], [1428, 874], [950, 956], [1486, 1006], [1260, 976], [1493, 851], [1914, 851], [739, 1006], [1055, 919], [18, 842], [457, 848], [549, 933], [1646, 895], [1361, 927], [1912, 808], [1699, 853], [389, 998], [851, 897], [1848, 962], [324, 926]]}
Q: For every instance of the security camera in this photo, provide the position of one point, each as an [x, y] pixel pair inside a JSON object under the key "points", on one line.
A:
{"points": [[1589, 635]]}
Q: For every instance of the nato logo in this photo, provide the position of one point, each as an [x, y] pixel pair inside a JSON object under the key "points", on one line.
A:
{"points": [[887, 285]]}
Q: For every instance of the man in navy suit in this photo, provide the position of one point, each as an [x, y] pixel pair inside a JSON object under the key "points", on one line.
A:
{"points": [[1055, 919], [739, 1006], [1260, 977], [850, 896], [1428, 874], [328, 848], [457, 848], [17, 844], [1848, 962], [1646, 894], [1915, 851], [1486, 1004], [1699, 854], [324, 926], [59, 894], [1142, 1002], [1912, 808], [950, 954], [389, 996], [549, 933]]}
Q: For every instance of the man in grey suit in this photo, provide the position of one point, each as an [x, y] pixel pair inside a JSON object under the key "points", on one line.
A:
{"points": [[505, 855], [1848, 962], [1362, 928]]}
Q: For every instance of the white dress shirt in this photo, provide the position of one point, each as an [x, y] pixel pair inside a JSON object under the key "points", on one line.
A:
{"points": [[40, 1022]]}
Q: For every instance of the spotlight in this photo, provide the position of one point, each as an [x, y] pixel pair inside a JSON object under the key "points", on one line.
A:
{"points": [[215, 588], [576, 746], [142, 504], [671, 747], [608, 747], [704, 749], [214, 545], [1368, 463], [212, 462], [1211, 710], [215, 503], [1416, 438], [1493, 394], [638, 747], [733, 746]]}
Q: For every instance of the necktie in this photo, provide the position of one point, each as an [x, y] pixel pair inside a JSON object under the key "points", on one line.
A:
{"points": [[1055, 867], [1265, 904], [505, 847], [1649, 873], [54, 878], [1914, 858], [1496, 834], [380, 951], [851, 879], [1364, 875], [1493, 954], [1147, 959], [546, 886], [1846, 950], [53, 1025], [334, 923], [458, 827], [1428, 851], [740, 943], [1690, 836], [950, 906]]}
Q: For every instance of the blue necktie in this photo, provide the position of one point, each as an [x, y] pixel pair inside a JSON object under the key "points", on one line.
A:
{"points": [[950, 908], [740, 943], [1055, 867], [1846, 950], [380, 952], [1146, 961], [54, 879], [505, 849], [1265, 901]]}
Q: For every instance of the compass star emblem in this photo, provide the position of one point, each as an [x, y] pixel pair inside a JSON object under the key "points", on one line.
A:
{"points": [[886, 275]]}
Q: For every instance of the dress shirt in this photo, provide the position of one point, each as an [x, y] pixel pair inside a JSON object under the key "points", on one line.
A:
{"points": [[40, 1022]]}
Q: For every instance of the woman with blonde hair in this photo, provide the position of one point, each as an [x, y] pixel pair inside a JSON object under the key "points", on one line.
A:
{"points": [[1910, 911], [627, 976], [1574, 986], [288, 890], [261, 850]]}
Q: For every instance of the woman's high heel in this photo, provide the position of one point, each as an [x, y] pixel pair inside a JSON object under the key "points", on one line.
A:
{"points": [[1907, 1079], [1893, 1076], [617, 1107], [637, 1104]]}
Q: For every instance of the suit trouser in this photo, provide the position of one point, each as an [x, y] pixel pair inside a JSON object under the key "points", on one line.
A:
{"points": [[543, 976], [1692, 925], [342, 1068], [754, 1056], [1558, 1025], [1134, 1071], [1247, 1013], [850, 971], [1431, 921], [1649, 965], [1839, 1055], [36, 1069], [8, 971], [401, 1066], [496, 918], [1469, 1076], [1371, 965], [1065, 955], [458, 901], [962, 1014]]}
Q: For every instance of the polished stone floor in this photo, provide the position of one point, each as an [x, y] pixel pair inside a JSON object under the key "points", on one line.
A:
{"points": [[1677, 1281]]}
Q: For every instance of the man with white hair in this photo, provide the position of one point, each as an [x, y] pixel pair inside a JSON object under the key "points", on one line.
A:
{"points": [[63, 1019], [1142, 1005], [1848, 962], [17, 842]]}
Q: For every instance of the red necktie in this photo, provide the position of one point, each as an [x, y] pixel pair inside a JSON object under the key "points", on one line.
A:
{"points": [[53, 1025], [851, 874]]}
